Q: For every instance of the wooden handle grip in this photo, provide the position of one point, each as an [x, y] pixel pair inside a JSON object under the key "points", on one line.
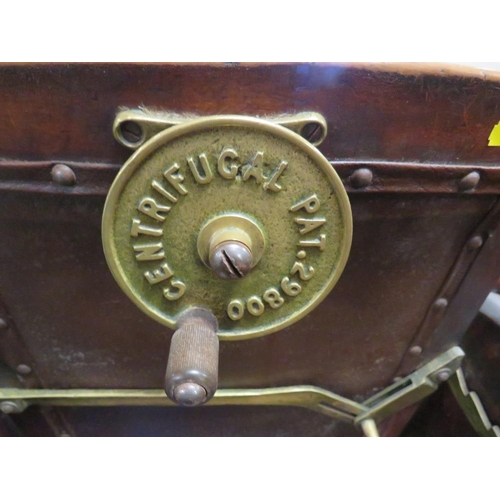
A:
{"points": [[193, 362]]}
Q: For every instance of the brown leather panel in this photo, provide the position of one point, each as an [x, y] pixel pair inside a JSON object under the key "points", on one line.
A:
{"points": [[85, 333], [244, 421]]}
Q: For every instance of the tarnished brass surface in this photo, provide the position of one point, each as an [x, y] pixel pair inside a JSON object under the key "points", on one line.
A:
{"points": [[194, 172]]}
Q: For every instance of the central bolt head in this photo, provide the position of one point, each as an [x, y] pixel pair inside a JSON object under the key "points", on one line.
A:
{"points": [[231, 260]]}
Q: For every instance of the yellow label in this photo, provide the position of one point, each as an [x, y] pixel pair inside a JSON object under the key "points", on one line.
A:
{"points": [[494, 138]]}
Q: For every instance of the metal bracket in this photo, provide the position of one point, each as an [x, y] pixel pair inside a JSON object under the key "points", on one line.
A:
{"points": [[413, 388], [399, 395], [472, 407], [133, 127]]}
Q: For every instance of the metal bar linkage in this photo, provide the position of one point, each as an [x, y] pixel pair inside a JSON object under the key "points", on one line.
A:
{"points": [[394, 398]]}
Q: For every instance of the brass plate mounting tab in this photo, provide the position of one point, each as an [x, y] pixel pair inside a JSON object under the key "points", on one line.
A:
{"points": [[133, 127]]}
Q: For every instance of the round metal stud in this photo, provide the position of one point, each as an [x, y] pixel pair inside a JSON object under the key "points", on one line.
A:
{"points": [[440, 304], [9, 407], [23, 369], [62, 174], [416, 350], [3, 324], [361, 178], [475, 243], [443, 375], [469, 182]]}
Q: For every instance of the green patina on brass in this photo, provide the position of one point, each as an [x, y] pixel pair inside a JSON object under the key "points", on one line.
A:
{"points": [[306, 173]]}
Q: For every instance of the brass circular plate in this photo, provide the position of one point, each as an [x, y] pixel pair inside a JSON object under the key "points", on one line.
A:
{"points": [[184, 177]]}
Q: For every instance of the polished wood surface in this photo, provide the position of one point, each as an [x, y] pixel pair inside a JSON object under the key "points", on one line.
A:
{"points": [[65, 111]]}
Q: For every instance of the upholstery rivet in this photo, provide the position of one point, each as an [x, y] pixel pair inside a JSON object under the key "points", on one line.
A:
{"points": [[361, 178], [469, 181], [416, 350], [23, 369], [475, 242], [63, 175], [440, 304]]}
